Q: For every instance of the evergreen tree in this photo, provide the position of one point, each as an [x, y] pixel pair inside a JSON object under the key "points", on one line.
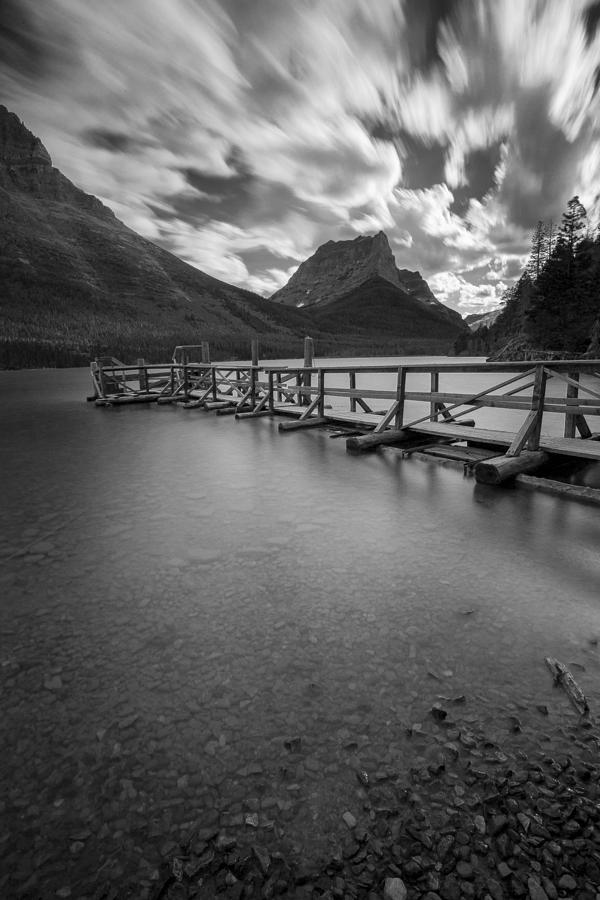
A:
{"points": [[573, 229], [539, 251], [562, 311], [550, 232]]}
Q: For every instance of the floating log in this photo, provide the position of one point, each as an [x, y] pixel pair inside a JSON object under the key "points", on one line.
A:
{"points": [[366, 442], [127, 400], [312, 422], [564, 679], [559, 489], [218, 404], [501, 468], [254, 415]]}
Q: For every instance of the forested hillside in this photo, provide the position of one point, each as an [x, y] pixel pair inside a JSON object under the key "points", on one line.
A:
{"points": [[554, 308]]}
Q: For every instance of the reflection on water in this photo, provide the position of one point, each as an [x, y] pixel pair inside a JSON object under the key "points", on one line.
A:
{"points": [[183, 593]]}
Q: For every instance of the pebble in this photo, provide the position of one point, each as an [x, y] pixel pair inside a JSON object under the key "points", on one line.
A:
{"points": [[394, 889], [349, 819], [536, 891], [567, 883]]}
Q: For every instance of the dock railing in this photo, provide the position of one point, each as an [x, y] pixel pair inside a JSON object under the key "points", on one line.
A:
{"points": [[375, 399]]}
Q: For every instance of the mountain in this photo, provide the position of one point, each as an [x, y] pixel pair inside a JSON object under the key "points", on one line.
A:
{"points": [[379, 308], [475, 321], [77, 281], [339, 268]]}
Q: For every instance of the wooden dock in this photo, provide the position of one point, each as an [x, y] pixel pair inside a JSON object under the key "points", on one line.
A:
{"points": [[344, 398]]}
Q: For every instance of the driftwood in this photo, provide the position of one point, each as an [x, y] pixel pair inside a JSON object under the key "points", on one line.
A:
{"points": [[563, 677]]}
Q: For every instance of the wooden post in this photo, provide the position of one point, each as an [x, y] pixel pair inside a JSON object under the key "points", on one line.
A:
{"points": [[101, 379], [185, 375], [271, 394], [213, 374], [253, 373], [537, 406], [352, 388], [205, 350], [572, 392], [321, 404], [172, 380], [308, 361], [435, 386], [143, 375], [308, 352], [400, 392]]}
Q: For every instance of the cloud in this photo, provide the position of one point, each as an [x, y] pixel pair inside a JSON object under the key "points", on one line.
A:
{"points": [[242, 135]]}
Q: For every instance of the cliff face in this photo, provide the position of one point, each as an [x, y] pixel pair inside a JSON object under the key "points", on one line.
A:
{"points": [[339, 268], [26, 166]]}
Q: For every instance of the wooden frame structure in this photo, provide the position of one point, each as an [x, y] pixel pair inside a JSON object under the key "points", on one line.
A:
{"points": [[316, 395]]}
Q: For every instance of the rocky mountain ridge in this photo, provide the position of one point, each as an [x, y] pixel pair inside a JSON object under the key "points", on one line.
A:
{"points": [[338, 268]]}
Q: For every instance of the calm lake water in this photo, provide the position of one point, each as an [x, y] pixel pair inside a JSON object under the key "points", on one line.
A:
{"points": [[182, 594]]}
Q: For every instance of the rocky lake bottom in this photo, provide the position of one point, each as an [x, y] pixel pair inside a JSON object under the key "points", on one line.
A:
{"points": [[245, 665]]}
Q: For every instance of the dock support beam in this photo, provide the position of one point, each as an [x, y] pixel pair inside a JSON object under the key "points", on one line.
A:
{"points": [[364, 442], [308, 362], [501, 468]]}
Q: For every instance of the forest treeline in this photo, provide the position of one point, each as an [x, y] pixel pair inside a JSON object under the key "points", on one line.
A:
{"points": [[554, 307]]}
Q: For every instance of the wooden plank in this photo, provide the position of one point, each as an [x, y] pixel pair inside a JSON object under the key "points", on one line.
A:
{"points": [[364, 405], [501, 468], [583, 449], [259, 410], [458, 453], [523, 434], [582, 426], [390, 414], [588, 449], [310, 409], [483, 435], [575, 383]]}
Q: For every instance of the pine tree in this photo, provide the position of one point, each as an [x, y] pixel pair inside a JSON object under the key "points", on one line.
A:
{"points": [[539, 252], [573, 229], [550, 231]]}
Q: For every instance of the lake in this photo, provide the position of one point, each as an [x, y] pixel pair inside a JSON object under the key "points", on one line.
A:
{"points": [[210, 625]]}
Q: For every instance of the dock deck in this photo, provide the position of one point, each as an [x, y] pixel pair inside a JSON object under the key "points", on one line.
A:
{"points": [[315, 396]]}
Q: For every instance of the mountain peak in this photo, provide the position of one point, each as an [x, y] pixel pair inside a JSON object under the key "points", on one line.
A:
{"points": [[18, 146], [337, 267]]}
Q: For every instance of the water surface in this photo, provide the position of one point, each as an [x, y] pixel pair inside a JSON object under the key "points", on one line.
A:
{"points": [[183, 593]]}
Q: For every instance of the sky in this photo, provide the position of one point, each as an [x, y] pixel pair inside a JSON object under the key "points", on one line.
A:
{"points": [[242, 134]]}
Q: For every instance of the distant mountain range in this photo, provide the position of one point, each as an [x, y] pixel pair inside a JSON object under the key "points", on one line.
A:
{"points": [[475, 321], [77, 282]]}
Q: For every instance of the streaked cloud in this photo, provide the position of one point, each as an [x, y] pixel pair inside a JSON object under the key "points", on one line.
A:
{"points": [[242, 135]]}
